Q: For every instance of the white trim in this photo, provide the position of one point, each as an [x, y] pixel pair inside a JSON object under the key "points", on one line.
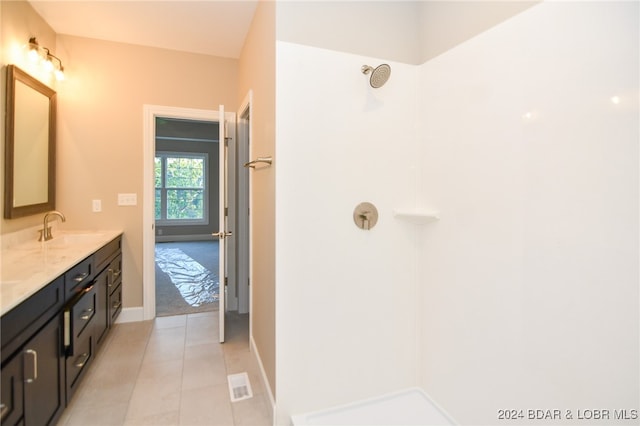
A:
{"points": [[244, 256], [130, 315], [265, 380], [148, 210]]}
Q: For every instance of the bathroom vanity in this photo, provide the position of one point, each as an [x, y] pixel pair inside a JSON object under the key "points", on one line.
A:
{"points": [[58, 300]]}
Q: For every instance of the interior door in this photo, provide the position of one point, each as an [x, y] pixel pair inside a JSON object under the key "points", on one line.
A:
{"points": [[222, 228], [222, 233]]}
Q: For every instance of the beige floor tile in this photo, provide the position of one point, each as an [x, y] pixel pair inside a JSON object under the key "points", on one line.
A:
{"points": [[251, 412], [97, 394], [204, 371], [206, 406], [170, 418], [213, 314], [109, 415], [240, 360], [200, 334], [164, 372], [165, 344], [153, 398], [205, 349], [169, 322], [132, 331], [171, 371]]}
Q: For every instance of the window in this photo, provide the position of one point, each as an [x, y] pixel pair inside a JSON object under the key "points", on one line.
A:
{"points": [[181, 188]]}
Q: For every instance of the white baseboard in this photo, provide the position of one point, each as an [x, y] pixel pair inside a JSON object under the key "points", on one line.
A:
{"points": [[265, 380], [131, 315]]}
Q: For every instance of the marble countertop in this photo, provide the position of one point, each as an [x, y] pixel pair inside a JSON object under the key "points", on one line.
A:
{"points": [[28, 266]]}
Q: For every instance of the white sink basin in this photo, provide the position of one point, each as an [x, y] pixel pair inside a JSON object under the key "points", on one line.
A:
{"points": [[66, 240]]}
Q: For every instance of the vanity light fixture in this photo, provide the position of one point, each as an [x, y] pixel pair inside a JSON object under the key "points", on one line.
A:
{"points": [[48, 59]]}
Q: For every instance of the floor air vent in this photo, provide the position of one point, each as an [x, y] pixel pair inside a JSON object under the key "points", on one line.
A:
{"points": [[239, 387]]}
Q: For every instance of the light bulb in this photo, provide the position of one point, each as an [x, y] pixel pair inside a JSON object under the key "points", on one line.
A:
{"points": [[59, 74], [33, 55], [48, 65]]}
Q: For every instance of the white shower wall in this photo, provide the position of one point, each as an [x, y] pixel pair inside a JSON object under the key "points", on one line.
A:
{"points": [[524, 295], [346, 313], [529, 282]]}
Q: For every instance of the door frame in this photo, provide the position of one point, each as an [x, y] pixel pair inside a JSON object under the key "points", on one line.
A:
{"points": [[243, 194], [150, 112]]}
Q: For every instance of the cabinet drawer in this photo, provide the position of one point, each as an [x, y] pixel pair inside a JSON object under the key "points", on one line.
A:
{"points": [[103, 256], [78, 277], [21, 322], [83, 311], [115, 304], [77, 364], [115, 273]]}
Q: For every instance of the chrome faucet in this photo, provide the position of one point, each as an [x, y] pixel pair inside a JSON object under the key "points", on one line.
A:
{"points": [[45, 232]]}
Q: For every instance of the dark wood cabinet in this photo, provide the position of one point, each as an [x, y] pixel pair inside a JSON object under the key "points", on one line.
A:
{"points": [[33, 379], [11, 405], [44, 397], [50, 339]]}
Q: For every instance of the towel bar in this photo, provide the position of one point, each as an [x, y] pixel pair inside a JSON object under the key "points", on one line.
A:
{"points": [[252, 164]]}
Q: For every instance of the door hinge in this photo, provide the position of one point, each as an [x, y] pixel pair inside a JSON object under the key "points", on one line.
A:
{"points": [[226, 281], [226, 211]]}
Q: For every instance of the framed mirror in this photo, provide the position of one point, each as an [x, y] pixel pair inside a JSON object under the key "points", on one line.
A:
{"points": [[30, 145]]}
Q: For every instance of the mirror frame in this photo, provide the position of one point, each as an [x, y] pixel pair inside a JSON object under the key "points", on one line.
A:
{"points": [[15, 74]]}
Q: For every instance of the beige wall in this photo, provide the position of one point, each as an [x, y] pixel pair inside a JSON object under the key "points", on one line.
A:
{"points": [[100, 120], [100, 105], [257, 73], [19, 22]]}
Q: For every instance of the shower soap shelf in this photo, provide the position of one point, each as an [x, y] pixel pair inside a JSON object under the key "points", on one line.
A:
{"points": [[419, 217]]}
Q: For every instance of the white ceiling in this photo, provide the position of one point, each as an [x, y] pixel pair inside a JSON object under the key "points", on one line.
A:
{"points": [[211, 27]]}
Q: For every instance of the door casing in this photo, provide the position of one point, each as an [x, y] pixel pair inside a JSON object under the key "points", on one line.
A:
{"points": [[150, 112]]}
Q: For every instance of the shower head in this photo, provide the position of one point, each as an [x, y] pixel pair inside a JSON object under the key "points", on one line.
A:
{"points": [[379, 75]]}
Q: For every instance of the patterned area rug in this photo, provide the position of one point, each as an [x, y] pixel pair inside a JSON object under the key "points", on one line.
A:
{"points": [[186, 277]]}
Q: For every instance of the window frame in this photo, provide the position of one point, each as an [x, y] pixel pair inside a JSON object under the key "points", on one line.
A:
{"points": [[164, 221]]}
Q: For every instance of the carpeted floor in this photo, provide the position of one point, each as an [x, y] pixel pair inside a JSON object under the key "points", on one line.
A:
{"points": [[186, 277]]}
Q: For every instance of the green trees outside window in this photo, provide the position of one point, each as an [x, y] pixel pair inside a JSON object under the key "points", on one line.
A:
{"points": [[180, 182]]}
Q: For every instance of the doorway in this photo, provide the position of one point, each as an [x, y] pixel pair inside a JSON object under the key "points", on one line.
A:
{"points": [[186, 214], [237, 295]]}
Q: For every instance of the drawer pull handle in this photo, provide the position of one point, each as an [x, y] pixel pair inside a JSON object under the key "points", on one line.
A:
{"points": [[116, 305], [4, 409], [88, 289], [80, 277], [67, 329], [113, 276], [88, 314], [82, 360], [34, 355]]}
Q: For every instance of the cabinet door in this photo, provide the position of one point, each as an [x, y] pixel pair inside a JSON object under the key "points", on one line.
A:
{"points": [[11, 392], [43, 375]]}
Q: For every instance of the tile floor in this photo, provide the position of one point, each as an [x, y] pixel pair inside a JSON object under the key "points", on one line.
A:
{"points": [[170, 371]]}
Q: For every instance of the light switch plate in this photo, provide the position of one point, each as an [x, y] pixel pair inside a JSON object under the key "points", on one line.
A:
{"points": [[127, 199], [96, 206]]}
